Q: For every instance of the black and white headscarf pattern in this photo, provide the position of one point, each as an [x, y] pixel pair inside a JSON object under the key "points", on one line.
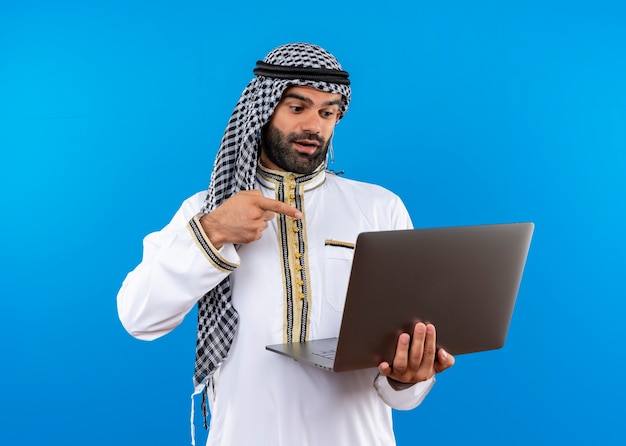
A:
{"points": [[234, 170]]}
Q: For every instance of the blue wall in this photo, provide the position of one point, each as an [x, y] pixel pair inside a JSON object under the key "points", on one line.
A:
{"points": [[473, 112]]}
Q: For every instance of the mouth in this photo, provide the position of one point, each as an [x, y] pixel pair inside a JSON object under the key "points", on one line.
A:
{"points": [[306, 146]]}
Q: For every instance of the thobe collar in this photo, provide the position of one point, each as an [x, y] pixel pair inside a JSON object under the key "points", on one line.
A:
{"points": [[270, 178]]}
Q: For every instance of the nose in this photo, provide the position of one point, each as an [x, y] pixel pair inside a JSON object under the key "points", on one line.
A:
{"points": [[311, 122]]}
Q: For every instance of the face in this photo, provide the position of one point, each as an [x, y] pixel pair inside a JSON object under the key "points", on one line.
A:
{"points": [[297, 136]]}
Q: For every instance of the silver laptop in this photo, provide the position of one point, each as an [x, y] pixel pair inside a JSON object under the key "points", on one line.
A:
{"points": [[463, 279]]}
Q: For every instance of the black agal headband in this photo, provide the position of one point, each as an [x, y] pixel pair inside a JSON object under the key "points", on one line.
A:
{"points": [[308, 73]]}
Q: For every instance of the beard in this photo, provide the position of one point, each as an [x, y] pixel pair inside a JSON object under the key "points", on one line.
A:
{"points": [[278, 149]]}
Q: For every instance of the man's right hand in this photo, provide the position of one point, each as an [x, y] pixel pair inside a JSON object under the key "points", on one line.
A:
{"points": [[243, 218]]}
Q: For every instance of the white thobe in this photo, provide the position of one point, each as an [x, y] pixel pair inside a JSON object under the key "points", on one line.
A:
{"points": [[261, 398]]}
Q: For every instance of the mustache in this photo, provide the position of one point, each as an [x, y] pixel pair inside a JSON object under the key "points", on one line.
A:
{"points": [[306, 135]]}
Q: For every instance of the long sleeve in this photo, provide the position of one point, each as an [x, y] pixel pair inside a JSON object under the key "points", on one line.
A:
{"points": [[178, 267], [405, 399]]}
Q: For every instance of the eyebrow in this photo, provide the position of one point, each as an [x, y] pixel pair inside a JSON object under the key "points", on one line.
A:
{"points": [[309, 101]]}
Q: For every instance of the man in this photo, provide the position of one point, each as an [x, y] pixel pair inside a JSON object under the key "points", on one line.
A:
{"points": [[266, 255]]}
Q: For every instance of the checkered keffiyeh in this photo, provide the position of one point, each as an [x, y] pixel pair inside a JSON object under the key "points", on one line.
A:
{"points": [[235, 170]]}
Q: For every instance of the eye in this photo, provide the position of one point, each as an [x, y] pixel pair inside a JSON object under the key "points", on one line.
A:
{"points": [[328, 113], [296, 108]]}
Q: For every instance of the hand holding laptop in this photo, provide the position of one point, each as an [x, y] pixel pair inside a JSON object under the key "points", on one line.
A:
{"points": [[417, 358]]}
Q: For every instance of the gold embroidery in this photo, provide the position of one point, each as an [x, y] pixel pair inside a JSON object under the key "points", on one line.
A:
{"points": [[331, 242], [292, 239]]}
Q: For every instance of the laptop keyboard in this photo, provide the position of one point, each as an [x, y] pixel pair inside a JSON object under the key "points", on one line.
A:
{"points": [[328, 354]]}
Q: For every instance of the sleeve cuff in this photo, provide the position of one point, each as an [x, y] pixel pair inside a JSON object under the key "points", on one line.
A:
{"points": [[404, 398], [218, 258]]}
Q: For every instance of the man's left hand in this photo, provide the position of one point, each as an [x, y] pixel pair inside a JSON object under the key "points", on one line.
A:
{"points": [[417, 358]]}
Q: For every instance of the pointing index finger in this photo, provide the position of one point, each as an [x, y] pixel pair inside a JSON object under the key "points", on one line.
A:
{"points": [[269, 204]]}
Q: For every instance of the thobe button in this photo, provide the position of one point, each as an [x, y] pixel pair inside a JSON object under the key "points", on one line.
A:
{"points": [[298, 267], [295, 229], [301, 296], [298, 255]]}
